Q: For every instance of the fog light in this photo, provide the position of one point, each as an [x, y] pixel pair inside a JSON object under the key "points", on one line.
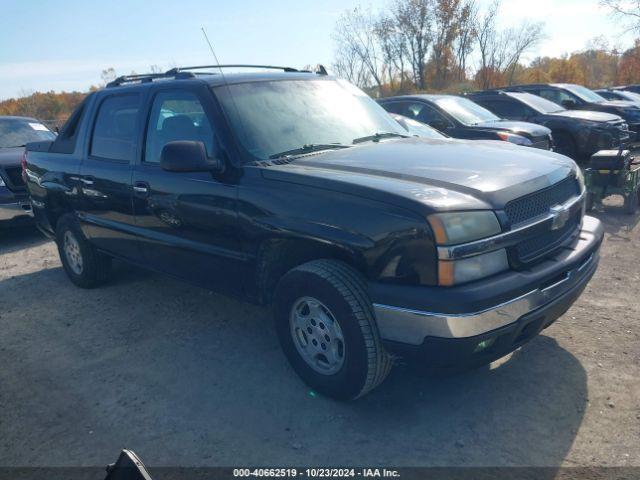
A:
{"points": [[483, 345]]}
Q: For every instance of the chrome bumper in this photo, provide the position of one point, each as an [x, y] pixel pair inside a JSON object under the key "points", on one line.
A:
{"points": [[9, 211], [412, 326]]}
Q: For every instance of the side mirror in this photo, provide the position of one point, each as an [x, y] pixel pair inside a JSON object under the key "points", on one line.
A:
{"points": [[569, 104], [188, 156]]}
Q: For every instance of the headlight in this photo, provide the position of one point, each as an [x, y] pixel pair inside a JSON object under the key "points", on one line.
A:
{"points": [[461, 227], [513, 138], [455, 272], [2, 184]]}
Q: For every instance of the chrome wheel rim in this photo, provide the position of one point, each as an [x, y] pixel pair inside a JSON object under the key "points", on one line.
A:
{"points": [[317, 335], [72, 252]]}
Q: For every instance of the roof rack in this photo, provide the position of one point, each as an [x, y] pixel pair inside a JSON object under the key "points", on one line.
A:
{"points": [[147, 77], [185, 72]]}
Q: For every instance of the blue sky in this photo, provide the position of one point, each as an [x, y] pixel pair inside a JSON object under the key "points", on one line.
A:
{"points": [[64, 44]]}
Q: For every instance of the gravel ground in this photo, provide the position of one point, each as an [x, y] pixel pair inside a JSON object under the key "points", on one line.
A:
{"points": [[185, 377]]}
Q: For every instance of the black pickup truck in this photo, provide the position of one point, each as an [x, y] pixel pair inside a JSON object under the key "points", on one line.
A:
{"points": [[296, 190]]}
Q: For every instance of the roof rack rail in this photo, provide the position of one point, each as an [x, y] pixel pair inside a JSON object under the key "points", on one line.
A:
{"points": [[202, 67], [185, 72], [147, 77]]}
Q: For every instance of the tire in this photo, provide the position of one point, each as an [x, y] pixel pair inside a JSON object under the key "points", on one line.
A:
{"points": [[83, 264], [631, 203], [333, 292], [566, 145]]}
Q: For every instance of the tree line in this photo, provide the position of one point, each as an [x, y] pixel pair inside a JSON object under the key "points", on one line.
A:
{"points": [[454, 45]]}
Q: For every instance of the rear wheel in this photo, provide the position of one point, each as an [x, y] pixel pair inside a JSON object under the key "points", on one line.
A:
{"points": [[84, 265], [327, 329]]}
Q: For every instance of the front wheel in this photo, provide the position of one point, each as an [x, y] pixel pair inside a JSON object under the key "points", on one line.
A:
{"points": [[84, 265], [327, 329]]}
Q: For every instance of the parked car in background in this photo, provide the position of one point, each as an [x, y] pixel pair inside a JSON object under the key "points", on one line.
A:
{"points": [[613, 94], [576, 133], [15, 133], [297, 190], [459, 117], [417, 129], [577, 97], [628, 88]]}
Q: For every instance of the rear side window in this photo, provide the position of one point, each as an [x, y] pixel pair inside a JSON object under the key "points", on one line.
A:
{"points": [[67, 139], [114, 131], [177, 115]]}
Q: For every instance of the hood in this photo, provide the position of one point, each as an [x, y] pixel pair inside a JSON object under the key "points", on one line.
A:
{"points": [[442, 174], [528, 129], [11, 157], [588, 115]]}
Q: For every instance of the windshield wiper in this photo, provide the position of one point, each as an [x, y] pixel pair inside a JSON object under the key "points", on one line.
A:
{"points": [[307, 148], [16, 146], [376, 137]]}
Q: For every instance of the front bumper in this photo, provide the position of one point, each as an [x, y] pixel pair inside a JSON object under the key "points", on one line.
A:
{"points": [[506, 304]]}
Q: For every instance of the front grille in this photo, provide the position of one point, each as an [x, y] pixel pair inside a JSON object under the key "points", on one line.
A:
{"points": [[534, 247], [14, 174], [536, 204], [541, 143]]}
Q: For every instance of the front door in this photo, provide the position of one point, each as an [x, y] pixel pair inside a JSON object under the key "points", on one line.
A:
{"points": [[187, 220]]}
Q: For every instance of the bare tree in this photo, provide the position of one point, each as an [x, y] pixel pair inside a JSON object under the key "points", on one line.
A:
{"points": [[356, 40], [415, 20], [348, 65], [464, 44], [500, 51], [394, 49], [626, 9], [446, 30], [519, 41]]}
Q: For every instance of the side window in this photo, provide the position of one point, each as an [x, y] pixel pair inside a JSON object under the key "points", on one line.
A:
{"points": [[395, 107], [65, 142], [506, 109], [426, 114], [176, 115], [114, 132], [557, 96]]}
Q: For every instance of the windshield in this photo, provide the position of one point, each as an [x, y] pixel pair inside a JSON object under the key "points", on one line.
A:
{"points": [[17, 132], [539, 104], [585, 94], [279, 116], [465, 111]]}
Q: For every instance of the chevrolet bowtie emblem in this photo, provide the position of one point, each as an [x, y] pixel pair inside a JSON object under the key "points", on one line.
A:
{"points": [[560, 215]]}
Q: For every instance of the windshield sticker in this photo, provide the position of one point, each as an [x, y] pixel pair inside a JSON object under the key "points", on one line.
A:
{"points": [[38, 126]]}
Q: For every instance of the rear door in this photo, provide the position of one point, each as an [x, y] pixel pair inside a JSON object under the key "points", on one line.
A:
{"points": [[106, 209], [188, 220]]}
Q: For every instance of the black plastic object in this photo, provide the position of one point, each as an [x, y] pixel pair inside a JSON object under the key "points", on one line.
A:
{"points": [[127, 467], [611, 160]]}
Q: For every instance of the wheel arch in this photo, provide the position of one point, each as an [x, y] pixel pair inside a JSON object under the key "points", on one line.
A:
{"points": [[277, 256]]}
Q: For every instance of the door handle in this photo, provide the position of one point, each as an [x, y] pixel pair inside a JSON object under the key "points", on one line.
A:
{"points": [[141, 188]]}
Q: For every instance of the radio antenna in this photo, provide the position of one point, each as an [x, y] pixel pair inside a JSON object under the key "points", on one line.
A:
{"points": [[213, 52]]}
